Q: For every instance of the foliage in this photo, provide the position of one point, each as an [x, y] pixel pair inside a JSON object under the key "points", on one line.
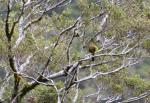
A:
{"points": [[42, 94], [137, 84], [49, 42]]}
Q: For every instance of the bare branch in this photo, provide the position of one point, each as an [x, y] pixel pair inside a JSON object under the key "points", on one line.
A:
{"points": [[67, 29], [22, 67], [144, 95], [43, 13], [68, 47], [6, 22], [94, 75], [15, 22]]}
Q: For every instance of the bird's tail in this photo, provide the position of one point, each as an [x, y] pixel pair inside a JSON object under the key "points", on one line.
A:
{"points": [[93, 57]]}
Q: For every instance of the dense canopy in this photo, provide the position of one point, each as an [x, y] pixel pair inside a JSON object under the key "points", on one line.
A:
{"points": [[74, 51]]}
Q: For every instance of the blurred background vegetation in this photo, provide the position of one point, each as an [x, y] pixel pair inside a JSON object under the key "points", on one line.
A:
{"points": [[132, 81]]}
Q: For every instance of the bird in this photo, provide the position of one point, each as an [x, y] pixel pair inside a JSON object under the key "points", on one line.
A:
{"points": [[92, 48]]}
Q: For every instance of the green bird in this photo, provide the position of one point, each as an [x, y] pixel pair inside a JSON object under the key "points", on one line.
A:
{"points": [[92, 48]]}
